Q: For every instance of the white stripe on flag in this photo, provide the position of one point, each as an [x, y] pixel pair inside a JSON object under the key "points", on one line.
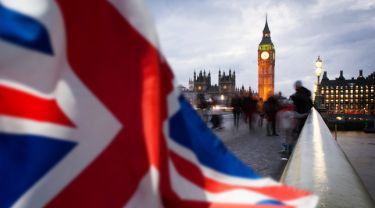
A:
{"points": [[32, 8], [304, 202], [189, 191], [15, 125], [135, 12], [147, 193], [215, 175], [95, 124]]}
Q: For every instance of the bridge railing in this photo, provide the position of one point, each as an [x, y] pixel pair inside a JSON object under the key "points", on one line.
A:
{"points": [[319, 165]]}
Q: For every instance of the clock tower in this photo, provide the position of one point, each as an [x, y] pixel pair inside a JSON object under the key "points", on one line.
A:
{"points": [[266, 65]]}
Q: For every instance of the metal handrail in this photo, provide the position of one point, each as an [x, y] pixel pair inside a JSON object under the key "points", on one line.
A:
{"points": [[319, 165]]}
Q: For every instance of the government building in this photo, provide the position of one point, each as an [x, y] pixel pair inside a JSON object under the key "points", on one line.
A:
{"points": [[222, 92], [226, 83], [347, 96]]}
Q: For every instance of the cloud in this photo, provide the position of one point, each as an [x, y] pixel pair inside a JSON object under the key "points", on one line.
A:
{"points": [[213, 34]]}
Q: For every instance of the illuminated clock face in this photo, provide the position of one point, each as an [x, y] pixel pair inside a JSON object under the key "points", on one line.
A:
{"points": [[264, 55]]}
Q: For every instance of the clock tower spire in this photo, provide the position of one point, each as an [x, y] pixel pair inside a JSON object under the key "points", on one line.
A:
{"points": [[266, 65]]}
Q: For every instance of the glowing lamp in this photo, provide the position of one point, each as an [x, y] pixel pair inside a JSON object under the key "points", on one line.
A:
{"points": [[318, 63]]}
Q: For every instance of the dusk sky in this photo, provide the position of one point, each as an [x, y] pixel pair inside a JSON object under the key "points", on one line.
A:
{"points": [[224, 34]]}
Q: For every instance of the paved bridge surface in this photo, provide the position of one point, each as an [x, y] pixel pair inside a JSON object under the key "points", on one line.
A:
{"points": [[261, 152], [253, 147], [359, 147]]}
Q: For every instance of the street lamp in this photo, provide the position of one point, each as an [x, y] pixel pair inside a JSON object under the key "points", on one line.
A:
{"points": [[318, 71], [315, 89], [338, 118], [222, 98]]}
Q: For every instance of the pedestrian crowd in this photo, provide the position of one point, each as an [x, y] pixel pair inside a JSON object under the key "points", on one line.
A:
{"points": [[281, 115]]}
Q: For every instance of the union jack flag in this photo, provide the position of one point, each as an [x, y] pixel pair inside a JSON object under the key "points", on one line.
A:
{"points": [[89, 117]]}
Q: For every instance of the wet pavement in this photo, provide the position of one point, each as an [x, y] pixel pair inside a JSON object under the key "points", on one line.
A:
{"points": [[253, 147], [359, 147], [260, 152]]}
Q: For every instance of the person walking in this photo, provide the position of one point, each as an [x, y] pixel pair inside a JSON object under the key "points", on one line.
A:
{"points": [[203, 107], [302, 102], [260, 112], [287, 122], [249, 108], [236, 105], [271, 107]]}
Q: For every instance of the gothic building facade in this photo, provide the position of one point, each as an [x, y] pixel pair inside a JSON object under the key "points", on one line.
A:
{"points": [[352, 96], [201, 83], [221, 92]]}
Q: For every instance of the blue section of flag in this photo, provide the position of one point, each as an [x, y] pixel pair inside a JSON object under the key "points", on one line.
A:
{"points": [[24, 159], [25, 31], [270, 202], [188, 130]]}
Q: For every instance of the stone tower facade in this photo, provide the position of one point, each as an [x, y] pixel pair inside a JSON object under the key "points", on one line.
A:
{"points": [[266, 65]]}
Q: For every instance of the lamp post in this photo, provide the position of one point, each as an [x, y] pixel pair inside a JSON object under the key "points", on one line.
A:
{"points": [[318, 72], [338, 119]]}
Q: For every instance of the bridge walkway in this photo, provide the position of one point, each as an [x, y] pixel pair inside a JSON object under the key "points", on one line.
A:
{"points": [[253, 147]]}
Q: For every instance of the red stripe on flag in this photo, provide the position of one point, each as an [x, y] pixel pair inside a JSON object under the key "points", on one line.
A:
{"points": [[169, 197], [17, 103], [151, 109], [114, 60], [193, 173], [195, 204]]}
